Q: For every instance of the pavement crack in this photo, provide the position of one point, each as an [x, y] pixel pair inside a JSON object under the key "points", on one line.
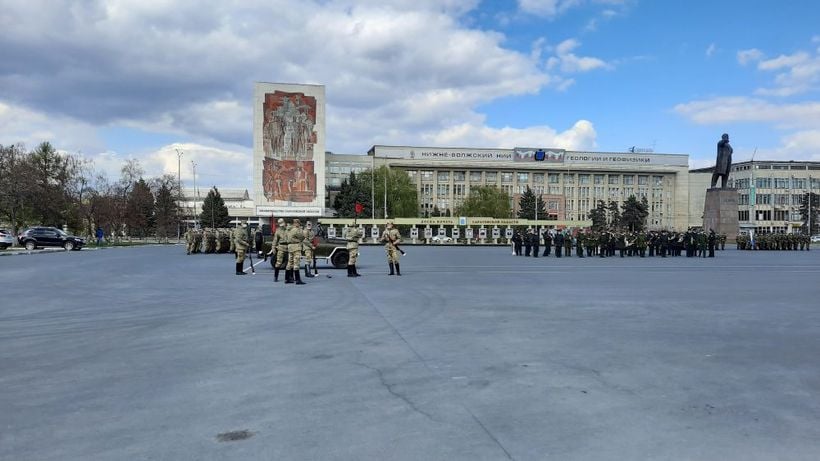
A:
{"points": [[489, 434], [391, 389]]}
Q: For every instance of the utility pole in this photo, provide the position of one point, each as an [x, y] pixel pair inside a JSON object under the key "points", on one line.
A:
{"points": [[179, 191], [373, 187], [385, 193]]}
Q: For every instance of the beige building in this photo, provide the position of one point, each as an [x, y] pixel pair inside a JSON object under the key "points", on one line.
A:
{"points": [[569, 182], [769, 193]]}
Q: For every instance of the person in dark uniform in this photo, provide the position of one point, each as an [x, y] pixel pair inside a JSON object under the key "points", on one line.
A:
{"points": [[663, 241], [516, 238], [528, 242], [712, 240], [547, 242], [559, 244], [535, 240]]}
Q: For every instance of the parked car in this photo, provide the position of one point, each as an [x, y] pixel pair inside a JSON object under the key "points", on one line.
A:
{"points": [[442, 239], [815, 239], [6, 239], [49, 237], [332, 251]]}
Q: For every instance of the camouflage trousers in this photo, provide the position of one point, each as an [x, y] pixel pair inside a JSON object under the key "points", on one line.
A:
{"points": [[392, 254], [240, 255], [281, 250], [308, 254], [352, 256], [294, 256]]}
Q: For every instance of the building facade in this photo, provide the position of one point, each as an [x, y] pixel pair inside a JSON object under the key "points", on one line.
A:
{"points": [[770, 193], [569, 182]]}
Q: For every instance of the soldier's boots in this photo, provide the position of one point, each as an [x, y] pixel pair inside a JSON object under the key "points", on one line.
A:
{"points": [[351, 271], [239, 270], [275, 274], [315, 270], [391, 268], [398, 269], [307, 271], [298, 277], [288, 276]]}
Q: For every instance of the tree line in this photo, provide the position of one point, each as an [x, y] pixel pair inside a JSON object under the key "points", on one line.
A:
{"points": [[45, 187]]}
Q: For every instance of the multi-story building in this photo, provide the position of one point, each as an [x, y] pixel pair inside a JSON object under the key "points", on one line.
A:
{"points": [[238, 201], [338, 168], [569, 182], [769, 192]]}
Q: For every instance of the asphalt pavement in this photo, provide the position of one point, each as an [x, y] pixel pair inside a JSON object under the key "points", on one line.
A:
{"points": [[473, 354]]}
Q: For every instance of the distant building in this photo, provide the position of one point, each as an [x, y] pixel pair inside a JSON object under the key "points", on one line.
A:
{"points": [[238, 201], [769, 192]]}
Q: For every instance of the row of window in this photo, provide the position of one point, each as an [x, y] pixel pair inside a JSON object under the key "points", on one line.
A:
{"points": [[767, 215], [537, 178], [772, 199], [777, 183]]}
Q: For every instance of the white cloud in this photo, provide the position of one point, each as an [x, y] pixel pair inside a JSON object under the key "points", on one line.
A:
{"points": [[710, 50], [580, 136], [746, 56], [724, 110], [18, 124], [398, 66], [569, 62]]}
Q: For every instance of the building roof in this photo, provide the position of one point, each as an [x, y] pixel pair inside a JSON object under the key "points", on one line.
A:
{"points": [[226, 193], [791, 163]]}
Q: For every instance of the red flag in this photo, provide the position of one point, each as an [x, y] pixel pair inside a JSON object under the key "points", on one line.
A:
{"points": [[359, 207]]}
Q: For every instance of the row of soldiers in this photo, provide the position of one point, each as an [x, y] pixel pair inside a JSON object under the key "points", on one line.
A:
{"points": [[693, 242], [790, 242], [208, 240], [291, 243]]}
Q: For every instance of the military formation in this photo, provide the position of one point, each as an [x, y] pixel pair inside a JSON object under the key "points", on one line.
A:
{"points": [[783, 242], [692, 243], [208, 240]]}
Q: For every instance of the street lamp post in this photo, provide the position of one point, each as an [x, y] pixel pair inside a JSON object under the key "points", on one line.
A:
{"points": [[179, 190]]}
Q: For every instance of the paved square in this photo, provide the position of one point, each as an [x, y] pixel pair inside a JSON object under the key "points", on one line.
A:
{"points": [[146, 353]]}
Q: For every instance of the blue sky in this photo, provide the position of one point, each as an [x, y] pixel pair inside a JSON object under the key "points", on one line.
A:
{"points": [[119, 79]]}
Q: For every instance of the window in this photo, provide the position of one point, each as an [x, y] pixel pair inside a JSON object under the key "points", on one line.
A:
{"points": [[443, 176], [658, 181], [569, 178], [475, 176], [798, 183], [583, 191], [743, 199], [583, 179], [781, 215], [426, 175], [763, 183], [458, 189], [555, 190], [781, 199], [412, 174], [492, 177], [781, 183], [443, 190], [742, 183], [643, 180], [458, 176], [797, 199], [538, 178], [523, 177], [743, 215], [506, 177], [599, 179], [553, 178], [815, 183], [629, 180], [763, 199]]}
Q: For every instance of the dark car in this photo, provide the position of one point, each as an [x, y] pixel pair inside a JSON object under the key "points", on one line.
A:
{"points": [[49, 237]]}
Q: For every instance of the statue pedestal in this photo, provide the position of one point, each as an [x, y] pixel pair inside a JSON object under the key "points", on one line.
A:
{"points": [[720, 212]]}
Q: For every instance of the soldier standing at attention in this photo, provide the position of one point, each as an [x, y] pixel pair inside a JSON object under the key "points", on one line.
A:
{"points": [[353, 235], [295, 238], [391, 236], [280, 246], [307, 249], [528, 242], [189, 241], [547, 242], [241, 244], [559, 244], [536, 242]]}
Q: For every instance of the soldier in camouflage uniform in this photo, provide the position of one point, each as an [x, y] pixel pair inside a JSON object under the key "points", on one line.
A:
{"points": [[391, 237], [352, 236], [197, 241], [307, 250], [295, 238], [189, 241], [241, 244], [217, 240], [279, 246]]}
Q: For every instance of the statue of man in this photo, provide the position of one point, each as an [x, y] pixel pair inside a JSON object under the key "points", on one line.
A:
{"points": [[723, 164]]}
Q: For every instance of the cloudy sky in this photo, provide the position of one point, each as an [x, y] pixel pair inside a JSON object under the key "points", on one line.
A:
{"points": [[119, 79]]}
